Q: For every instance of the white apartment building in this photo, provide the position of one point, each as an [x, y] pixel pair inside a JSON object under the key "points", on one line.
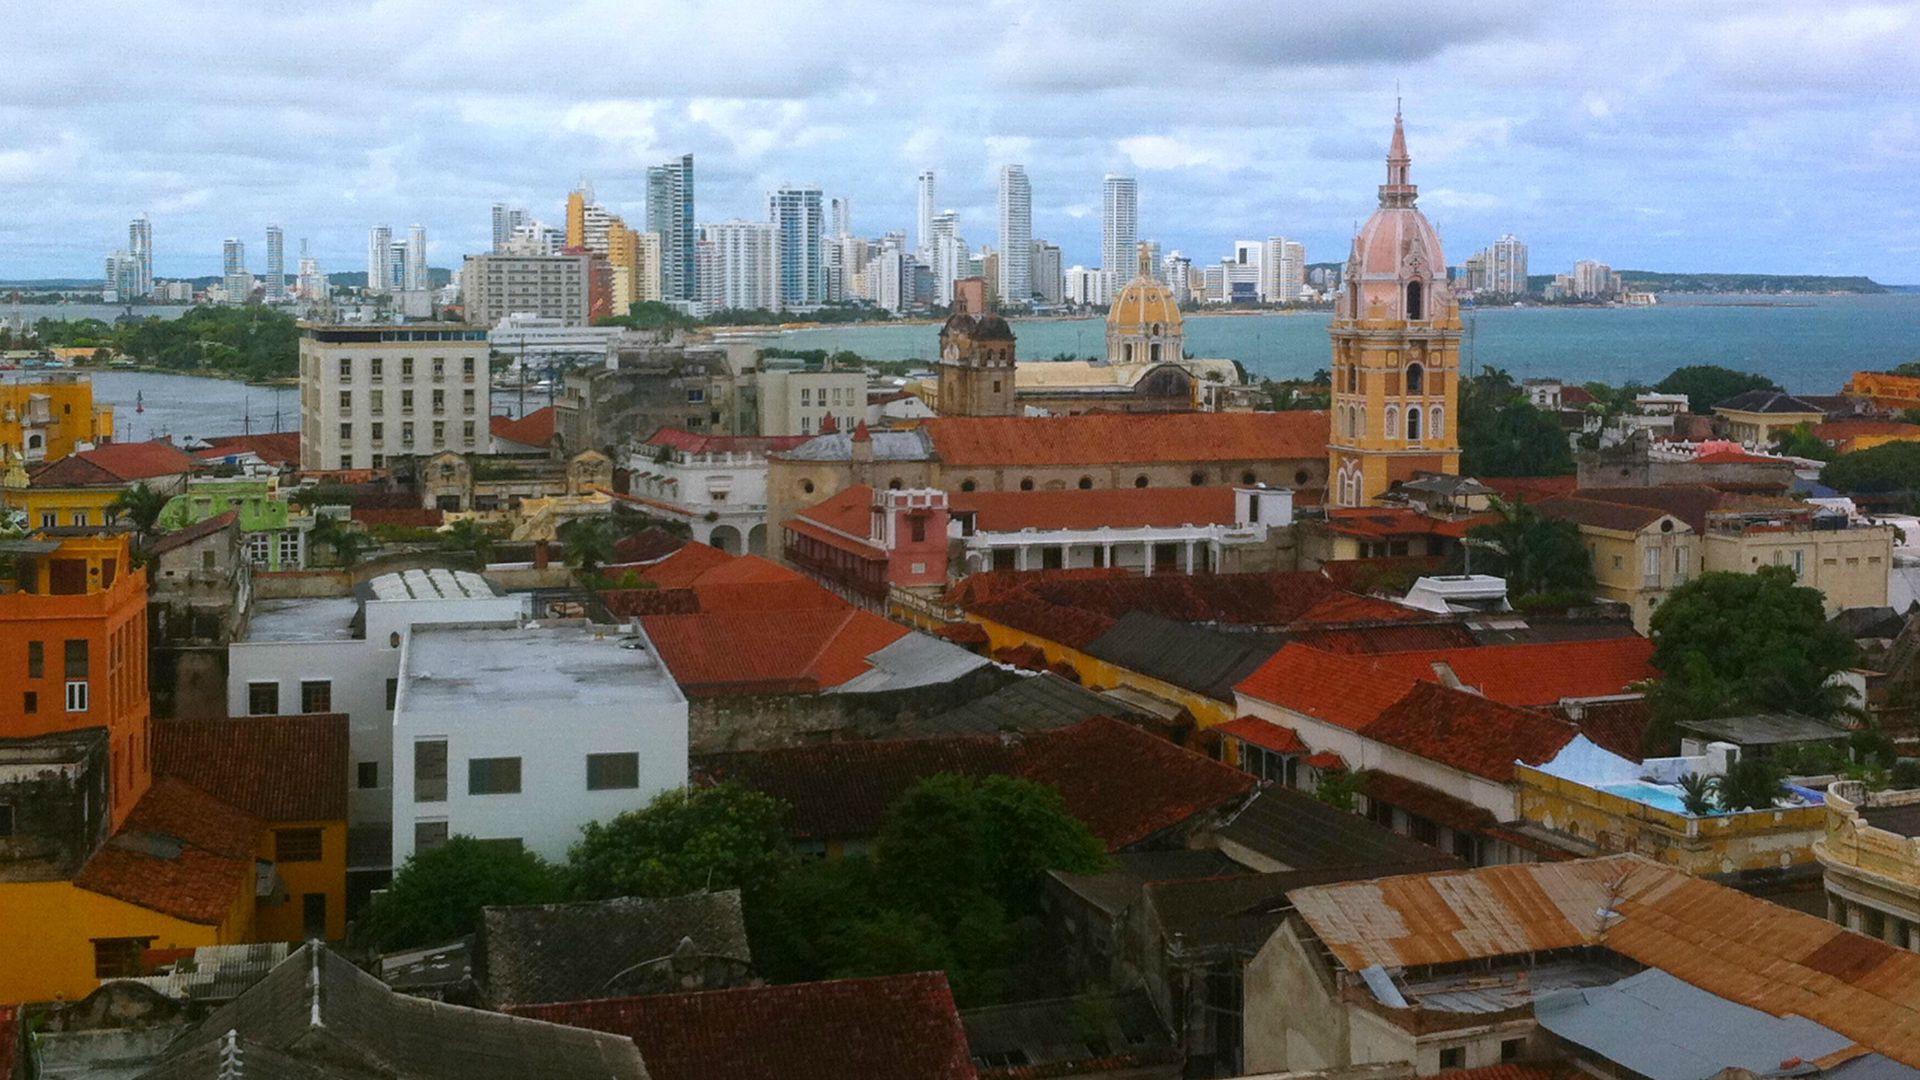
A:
{"points": [[533, 342], [342, 655], [1283, 271], [369, 392], [718, 483], [739, 266], [493, 287], [526, 733], [1087, 285], [1119, 231], [797, 402], [379, 259], [1016, 237]]}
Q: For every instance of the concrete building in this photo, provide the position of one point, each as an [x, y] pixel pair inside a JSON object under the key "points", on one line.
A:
{"points": [[379, 259], [416, 277], [1119, 231], [717, 484], [541, 343], [483, 751], [368, 392], [1757, 417], [796, 400], [670, 217], [1016, 236], [140, 250], [923, 233], [1870, 856], [1284, 267], [235, 278], [506, 219], [648, 385], [1049, 278], [276, 280], [740, 266], [948, 254], [801, 263], [45, 417], [554, 286]]}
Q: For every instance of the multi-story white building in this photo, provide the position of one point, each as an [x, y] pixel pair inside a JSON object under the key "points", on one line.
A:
{"points": [[718, 483], [534, 238], [1016, 236], [495, 286], [416, 269], [1087, 285], [1283, 271], [670, 215], [1049, 282], [527, 733], [1177, 271], [739, 266], [140, 248], [889, 278], [506, 219], [1500, 269], [1119, 231], [1592, 278], [949, 256], [380, 259], [276, 265], [371, 392], [799, 224], [923, 234], [839, 218], [235, 278], [794, 401]]}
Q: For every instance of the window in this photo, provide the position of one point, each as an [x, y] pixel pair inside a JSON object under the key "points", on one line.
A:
{"points": [[1413, 425], [406, 434], [379, 432], [263, 699], [493, 776], [76, 659], [36, 659], [1416, 305], [296, 845], [313, 914], [696, 396], [607, 772], [1140, 481], [466, 431], [49, 519], [346, 403], [1086, 483], [406, 367], [346, 461], [430, 770], [466, 401], [439, 402], [806, 396], [439, 432], [1511, 1049], [439, 368], [257, 548], [77, 696], [428, 835], [30, 703], [1652, 568], [919, 527], [316, 696], [79, 517], [1453, 1057], [1197, 479], [393, 692], [366, 775], [373, 368], [466, 369], [346, 432], [1026, 484], [406, 402], [119, 958]]}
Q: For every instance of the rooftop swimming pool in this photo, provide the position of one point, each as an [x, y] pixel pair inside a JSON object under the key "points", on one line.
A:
{"points": [[1659, 796]]}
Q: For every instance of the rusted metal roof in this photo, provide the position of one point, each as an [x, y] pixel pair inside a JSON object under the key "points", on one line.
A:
{"points": [[1745, 949]]}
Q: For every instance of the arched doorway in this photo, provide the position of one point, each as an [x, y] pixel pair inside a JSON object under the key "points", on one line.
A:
{"points": [[757, 540], [726, 538]]}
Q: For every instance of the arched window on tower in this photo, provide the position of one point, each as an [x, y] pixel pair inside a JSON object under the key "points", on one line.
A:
{"points": [[1153, 352], [1129, 352], [1393, 421], [1360, 421], [1413, 423], [1416, 379], [1416, 301], [1436, 423]]}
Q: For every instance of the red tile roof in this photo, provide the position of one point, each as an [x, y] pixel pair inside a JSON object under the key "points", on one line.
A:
{"points": [[1531, 488], [1540, 673], [1390, 638], [273, 447], [646, 546], [533, 429], [1690, 503], [1733, 457], [1347, 691], [1120, 508], [115, 465], [1383, 522], [691, 442], [1108, 439], [684, 566], [1326, 761], [744, 651], [896, 1027], [1125, 783], [275, 768], [181, 852], [1263, 733], [180, 538], [1617, 517], [1853, 429], [1616, 726], [1468, 732]]}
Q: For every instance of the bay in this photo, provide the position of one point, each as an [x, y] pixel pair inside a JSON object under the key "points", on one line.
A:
{"points": [[186, 407]]}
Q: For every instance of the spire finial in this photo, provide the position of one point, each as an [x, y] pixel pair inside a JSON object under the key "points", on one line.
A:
{"points": [[1399, 189]]}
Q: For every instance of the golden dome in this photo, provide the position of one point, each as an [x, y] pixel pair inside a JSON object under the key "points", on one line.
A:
{"points": [[1144, 308]]}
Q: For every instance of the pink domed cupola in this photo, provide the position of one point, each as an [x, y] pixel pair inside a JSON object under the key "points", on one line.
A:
{"points": [[1397, 270]]}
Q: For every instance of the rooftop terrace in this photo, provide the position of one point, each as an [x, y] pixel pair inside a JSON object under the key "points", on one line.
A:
{"points": [[587, 666]]}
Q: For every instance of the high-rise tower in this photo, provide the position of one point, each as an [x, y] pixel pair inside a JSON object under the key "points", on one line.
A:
{"points": [[140, 248], [923, 238], [670, 214], [796, 216], [276, 265], [1396, 349], [379, 256], [1016, 236], [1119, 230]]}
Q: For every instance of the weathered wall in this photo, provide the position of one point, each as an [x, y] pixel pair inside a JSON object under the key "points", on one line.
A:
{"points": [[763, 721]]}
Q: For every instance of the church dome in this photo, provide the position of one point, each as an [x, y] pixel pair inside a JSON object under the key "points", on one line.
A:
{"points": [[1144, 308], [1397, 248]]}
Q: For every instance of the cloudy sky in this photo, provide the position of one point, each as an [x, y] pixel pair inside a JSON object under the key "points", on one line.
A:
{"points": [[1754, 136]]}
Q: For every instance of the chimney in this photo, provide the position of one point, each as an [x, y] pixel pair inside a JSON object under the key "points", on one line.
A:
{"points": [[541, 554], [862, 443]]}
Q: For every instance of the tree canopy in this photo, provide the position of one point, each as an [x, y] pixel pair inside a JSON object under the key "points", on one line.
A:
{"points": [[437, 895], [1889, 467], [720, 837], [252, 341], [1728, 643], [1502, 435], [1543, 559], [1707, 385], [1801, 442]]}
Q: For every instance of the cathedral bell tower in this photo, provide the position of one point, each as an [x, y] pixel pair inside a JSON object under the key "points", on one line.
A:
{"points": [[1396, 349]]}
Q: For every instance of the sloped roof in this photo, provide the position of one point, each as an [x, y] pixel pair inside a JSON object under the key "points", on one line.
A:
{"points": [[1107, 439], [1768, 401], [276, 768], [1264, 734], [1617, 516], [603, 948], [180, 538], [1119, 508], [895, 1027], [1537, 673], [1124, 783], [1469, 732], [1382, 522], [180, 852], [1532, 488], [1039, 703], [533, 429], [721, 652], [272, 447], [1300, 832], [1745, 949], [691, 442], [1094, 1034], [1690, 503], [318, 1015], [1348, 691], [1195, 658], [114, 465]]}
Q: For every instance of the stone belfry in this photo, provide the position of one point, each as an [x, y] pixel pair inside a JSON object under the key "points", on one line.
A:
{"points": [[1396, 349], [976, 356]]}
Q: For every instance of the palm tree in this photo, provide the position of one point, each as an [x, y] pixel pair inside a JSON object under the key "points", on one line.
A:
{"points": [[348, 544], [1538, 556], [1697, 793], [141, 506], [589, 544], [467, 535]]}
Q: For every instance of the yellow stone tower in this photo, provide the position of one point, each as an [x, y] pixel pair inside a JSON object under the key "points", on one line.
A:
{"points": [[1396, 349]]}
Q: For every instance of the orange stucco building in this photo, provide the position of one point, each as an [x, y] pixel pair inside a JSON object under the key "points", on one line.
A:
{"points": [[73, 650]]}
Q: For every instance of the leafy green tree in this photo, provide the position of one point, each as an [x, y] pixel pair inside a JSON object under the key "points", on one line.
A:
{"points": [[1707, 385], [1543, 559], [1340, 789], [140, 505], [347, 543], [1884, 469], [1502, 435], [589, 544], [1801, 442], [437, 895], [1728, 643], [1750, 783], [720, 837], [468, 536]]}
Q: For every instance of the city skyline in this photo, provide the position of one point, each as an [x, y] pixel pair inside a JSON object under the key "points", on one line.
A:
{"points": [[1769, 138]]}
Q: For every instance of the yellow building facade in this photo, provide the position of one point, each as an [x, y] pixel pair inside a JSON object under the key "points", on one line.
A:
{"points": [[1396, 349], [48, 417], [51, 930]]}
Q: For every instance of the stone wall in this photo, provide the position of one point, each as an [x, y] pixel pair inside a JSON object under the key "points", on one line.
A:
{"points": [[765, 721]]}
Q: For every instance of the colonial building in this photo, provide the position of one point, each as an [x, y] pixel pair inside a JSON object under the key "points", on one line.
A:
{"points": [[976, 359], [1396, 349]]}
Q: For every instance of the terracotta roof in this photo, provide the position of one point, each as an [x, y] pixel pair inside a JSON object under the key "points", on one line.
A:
{"points": [[114, 465], [181, 852], [1124, 783], [1537, 673], [1121, 508], [1748, 950], [180, 538], [1848, 429], [1326, 761], [1263, 733], [1732, 457], [843, 520], [646, 546], [276, 768], [1108, 439], [1391, 637], [273, 447], [896, 1027], [1618, 517], [1383, 522], [1347, 691], [722, 582], [741, 651], [1531, 488], [695, 443], [1616, 726], [1468, 732], [533, 429], [682, 567]]}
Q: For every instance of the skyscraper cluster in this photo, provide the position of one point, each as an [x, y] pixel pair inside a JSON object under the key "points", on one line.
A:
{"points": [[129, 270], [1500, 270], [397, 265]]}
